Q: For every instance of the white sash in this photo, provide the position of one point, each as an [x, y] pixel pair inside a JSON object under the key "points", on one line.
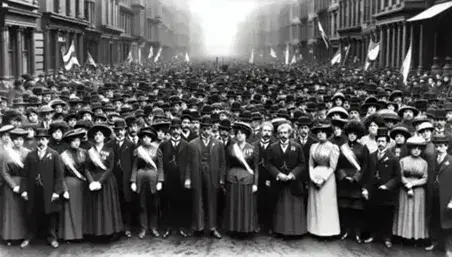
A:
{"points": [[95, 157], [350, 155], [143, 154], [69, 162], [14, 156], [239, 154]]}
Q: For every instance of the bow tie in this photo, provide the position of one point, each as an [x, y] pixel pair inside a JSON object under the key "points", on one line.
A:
{"points": [[176, 141]]}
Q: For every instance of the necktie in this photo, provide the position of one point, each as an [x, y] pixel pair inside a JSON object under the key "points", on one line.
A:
{"points": [[440, 159], [41, 154], [380, 155]]}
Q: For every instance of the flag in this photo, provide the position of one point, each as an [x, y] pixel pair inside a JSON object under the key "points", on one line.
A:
{"points": [[272, 53], [336, 57], [129, 57], [294, 59], [187, 58], [346, 50], [156, 59], [287, 55], [324, 36], [406, 65], [151, 52], [252, 57], [90, 60], [139, 54], [70, 58], [372, 53]]}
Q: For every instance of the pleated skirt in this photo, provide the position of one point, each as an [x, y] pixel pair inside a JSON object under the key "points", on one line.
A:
{"points": [[409, 220], [13, 224], [70, 223], [102, 211], [240, 213]]}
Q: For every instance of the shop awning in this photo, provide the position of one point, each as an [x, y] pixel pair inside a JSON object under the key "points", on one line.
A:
{"points": [[432, 11]]}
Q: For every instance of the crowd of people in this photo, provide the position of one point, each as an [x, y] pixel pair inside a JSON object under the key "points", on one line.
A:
{"points": [[241, 149]]}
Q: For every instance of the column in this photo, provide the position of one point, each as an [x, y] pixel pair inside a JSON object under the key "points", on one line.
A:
{"points": [[412, 44], [4, 42], [393, 38], [399, 44], [388, 46], [81, 48], [46, 34], [56, 51], [18, 52], [421, 45], [381, 58], [31, 53], [404, 38]]}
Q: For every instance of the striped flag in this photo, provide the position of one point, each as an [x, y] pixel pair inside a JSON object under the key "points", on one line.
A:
{"points": [[187, 58], [336, 57], [287, 55], [372, 53], [129, 57], [70, 58], [156, 59], [90, 61], [294, 59], [406, 65], [347, 51], [151, 52], [272, 53], [324, 36]]}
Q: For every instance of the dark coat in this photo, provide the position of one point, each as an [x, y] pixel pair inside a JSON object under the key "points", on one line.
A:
{"points": [[174, 164], [346, 189], [217, 162], [122, 168], [444, 178], [262, 160], [94, 173], [50, 169], [385, 171], [307, 147], [292, 161], [190, 136]]}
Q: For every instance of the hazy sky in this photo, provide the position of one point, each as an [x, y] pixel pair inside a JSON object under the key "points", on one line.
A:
{"points": [[219, 20]]}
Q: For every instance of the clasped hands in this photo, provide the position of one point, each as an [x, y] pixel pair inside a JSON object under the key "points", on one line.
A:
{"points": [[283, 177], [95, 185]]}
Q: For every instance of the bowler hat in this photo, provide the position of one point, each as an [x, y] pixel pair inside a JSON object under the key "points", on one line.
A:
{"points": [[119, 123], [440, 139], [382, 132], [41, 132], [176, 123], [225, 124], [206, 120]]}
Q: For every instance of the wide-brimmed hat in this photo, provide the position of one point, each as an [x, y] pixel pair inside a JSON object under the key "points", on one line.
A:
{"points": [[6, 129], [148, 131], [440, 139], [394, 94], [57, 102], [74, 133], [161, 125], [339, 122], [304, 121], [61, 125], [425, 126], [41, 132], [18, 132], [407, 107], [322, 126], [400, 130], [356, 127], [99, 127], [45, 109], [389, 115], [337, 110], [244, 127], [416, 141], [337, 95]]}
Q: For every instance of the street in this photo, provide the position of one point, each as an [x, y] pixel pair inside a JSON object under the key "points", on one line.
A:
{"points": [[259, 246]]}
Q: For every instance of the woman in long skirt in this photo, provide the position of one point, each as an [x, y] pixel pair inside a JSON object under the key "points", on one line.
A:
{"points": [[323, 214], [102, 211], [410, 222], [240, 211], [352, 170], [12, 206], [147, 178], [74, 159]]}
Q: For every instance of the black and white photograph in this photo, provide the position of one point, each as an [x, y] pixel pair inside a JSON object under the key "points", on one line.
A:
{"points": [[318, 128]]}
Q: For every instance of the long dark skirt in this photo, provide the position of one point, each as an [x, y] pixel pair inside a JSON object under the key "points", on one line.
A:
{"points": [[70, 223], [102, 211], [241, 208], [149, 206], [13, 225], [290, 214]]}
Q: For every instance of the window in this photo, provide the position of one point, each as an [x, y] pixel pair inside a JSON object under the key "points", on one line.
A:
{"points": [[56, 6], [77, 8], [68, 7]]}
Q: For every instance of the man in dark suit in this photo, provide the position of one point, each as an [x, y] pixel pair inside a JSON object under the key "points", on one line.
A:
{"points": [[207, 169], [187, 134], [42, 186], [382, 189], [227, 140], [286, 163], [265, 180], [176, 200], [305, 139], [123, 149]]}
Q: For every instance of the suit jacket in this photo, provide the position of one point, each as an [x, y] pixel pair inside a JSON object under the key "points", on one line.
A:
{"points": [[217, 162], [174, 162], [307, 147], [443, 180], [190, 136], [123, 162], [262, 162], [385, 171], [292, 161], [51, 172]]}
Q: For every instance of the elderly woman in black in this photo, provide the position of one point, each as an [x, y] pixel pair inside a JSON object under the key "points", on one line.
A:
{"points": [[147, 179], [351, 176], [240, 212]]}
